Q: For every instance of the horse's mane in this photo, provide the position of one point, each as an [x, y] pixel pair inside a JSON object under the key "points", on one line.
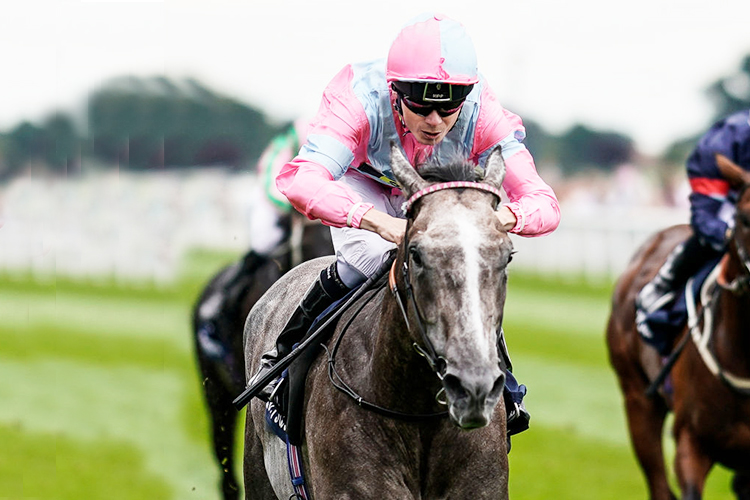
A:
{"points": [[459, 169]]}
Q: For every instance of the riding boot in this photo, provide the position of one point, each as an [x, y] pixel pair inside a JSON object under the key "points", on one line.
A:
{"points": [[212, 340], [517, 417], [683, 262], [326, 289]]}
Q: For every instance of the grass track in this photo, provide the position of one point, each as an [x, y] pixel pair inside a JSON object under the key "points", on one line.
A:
{"points": [[101, 395]]}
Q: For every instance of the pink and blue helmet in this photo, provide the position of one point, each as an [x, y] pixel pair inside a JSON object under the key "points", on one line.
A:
{"points": [[430, 51]]}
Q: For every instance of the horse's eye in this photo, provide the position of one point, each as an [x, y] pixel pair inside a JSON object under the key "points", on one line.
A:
{"points": [[510, 256], [416, 258]]}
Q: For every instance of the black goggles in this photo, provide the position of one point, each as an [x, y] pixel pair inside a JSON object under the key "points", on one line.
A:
{"points": [[443, 109]]}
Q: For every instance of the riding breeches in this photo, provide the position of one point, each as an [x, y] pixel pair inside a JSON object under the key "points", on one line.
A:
{"points": [[266, 231], [359, 253]]}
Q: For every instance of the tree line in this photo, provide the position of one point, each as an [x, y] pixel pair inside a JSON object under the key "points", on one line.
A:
{"points": [[151, 123], [141, 124]]}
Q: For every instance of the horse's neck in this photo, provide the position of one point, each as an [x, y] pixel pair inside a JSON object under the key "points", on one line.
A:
{"points": [[398, 374], [731, 338]]}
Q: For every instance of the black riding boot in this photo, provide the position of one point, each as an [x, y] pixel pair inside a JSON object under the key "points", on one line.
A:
{"points": [[517, 417], [683, 262], [213, 339], [326, 289]]}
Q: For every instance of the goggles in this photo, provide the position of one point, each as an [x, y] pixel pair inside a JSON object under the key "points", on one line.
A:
{"points": [[443, 109]]}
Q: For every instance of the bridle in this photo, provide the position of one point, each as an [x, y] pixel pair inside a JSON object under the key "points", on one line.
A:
{"points": [[437, 363], [427, 350], [741, 284]]}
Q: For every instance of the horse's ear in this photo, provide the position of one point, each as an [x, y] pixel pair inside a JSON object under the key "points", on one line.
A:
{"points": [[494, 170], [733, 173], [406, 175]]}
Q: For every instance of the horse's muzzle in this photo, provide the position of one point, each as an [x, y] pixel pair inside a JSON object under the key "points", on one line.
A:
{"points": [[473, 396]]}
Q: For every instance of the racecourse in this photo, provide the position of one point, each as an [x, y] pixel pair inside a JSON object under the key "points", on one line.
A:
{"points": [[101, 398]]}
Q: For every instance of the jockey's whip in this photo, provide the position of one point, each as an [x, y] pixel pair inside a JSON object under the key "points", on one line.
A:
{"points": [[252, 391]]}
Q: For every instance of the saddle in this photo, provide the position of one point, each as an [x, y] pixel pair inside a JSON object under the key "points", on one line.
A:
{"points": [[667, 322]]}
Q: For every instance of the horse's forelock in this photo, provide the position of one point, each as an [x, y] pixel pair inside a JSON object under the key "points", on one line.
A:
{"points": [[455, 170]]}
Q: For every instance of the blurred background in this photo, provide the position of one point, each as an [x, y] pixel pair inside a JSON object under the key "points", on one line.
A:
{"points": [[129, 131]]}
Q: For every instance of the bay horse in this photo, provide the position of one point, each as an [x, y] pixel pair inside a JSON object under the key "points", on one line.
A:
{"points": [[451, 267], [710, 384], [222, 379]]}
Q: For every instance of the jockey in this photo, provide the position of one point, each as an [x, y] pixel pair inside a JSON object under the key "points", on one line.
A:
{"points": [[429, 97], [712, 215], [266, 230], [269, 205]]}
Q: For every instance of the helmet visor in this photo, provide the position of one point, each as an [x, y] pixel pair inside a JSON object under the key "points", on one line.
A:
{"points": [[432, 91]]}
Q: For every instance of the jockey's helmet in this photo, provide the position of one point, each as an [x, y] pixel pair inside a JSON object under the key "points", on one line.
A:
{"points": [[432, 60]]}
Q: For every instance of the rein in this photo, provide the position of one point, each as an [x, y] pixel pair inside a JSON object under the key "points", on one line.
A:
{"points": [[342, 386], [437, 363], [702, 337]]}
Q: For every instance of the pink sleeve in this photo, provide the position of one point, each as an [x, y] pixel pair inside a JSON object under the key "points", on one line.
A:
{"points": [[531, 200], [337, 137], [311, 189]]}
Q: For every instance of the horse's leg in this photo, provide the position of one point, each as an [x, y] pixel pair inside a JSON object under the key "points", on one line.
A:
{"points": [[741, 485], [691, 463], [257, 484], [223, 426], [646, 422]]}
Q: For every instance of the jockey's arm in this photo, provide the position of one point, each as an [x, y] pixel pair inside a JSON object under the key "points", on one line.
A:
{"points": [[506, 217], [388, 227], [731, 171], [532, 208]]}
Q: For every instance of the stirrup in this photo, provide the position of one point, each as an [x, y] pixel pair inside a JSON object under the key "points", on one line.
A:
{"points": [[269, 391]]}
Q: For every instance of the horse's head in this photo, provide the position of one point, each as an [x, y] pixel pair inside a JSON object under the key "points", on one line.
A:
{"points": [[742, 226], [740, 179], [454, 256]]}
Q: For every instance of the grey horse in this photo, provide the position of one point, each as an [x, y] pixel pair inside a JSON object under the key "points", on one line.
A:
{"points": [[454, 260]]}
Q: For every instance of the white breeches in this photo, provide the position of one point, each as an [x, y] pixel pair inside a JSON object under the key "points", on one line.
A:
{"points": [[265, 229], [359, 253]]}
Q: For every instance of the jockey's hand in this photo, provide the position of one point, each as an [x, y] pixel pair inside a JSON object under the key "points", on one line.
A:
{"points": [[506, 217], [388, 227]]}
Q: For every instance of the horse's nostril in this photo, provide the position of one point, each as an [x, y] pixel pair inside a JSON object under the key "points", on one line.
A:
{"points": [[497, 387], [454, 388]]}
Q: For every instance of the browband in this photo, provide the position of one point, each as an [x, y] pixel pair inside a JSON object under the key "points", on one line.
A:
{"points": [[448, 185]]}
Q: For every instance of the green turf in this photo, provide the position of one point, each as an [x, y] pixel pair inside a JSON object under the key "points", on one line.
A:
{"points": [[101, 396], [51, 465]]}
